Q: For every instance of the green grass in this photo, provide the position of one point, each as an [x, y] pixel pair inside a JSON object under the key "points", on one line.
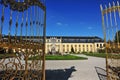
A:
{"points": [[59, 57], [103, 55]]}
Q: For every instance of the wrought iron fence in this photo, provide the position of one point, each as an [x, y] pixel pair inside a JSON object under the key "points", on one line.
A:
{"points": [[111, 30], [22, 35]]}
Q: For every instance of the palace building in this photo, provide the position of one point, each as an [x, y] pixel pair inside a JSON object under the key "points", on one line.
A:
{"points": [[65, 44]]}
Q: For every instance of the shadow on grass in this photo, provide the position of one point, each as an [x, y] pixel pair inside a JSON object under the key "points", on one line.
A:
{"points": [[60, 74]]}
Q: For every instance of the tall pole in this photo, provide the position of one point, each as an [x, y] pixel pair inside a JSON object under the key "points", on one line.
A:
{"points": [[117, 26], [10, 25], [44, 43], [2, 21], [104, 31]]}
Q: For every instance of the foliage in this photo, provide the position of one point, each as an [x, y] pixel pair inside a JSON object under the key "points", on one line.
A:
{"points": [[84, 52], [113, 50], [118, 36], [56, 53], [2, 50], [90, 52], [101, 50], [78, 52]]}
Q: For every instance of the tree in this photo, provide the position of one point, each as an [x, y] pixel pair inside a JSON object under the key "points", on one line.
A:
{"points": [[117, 37]]}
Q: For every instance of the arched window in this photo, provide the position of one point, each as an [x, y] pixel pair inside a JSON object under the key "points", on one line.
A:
{"points": [[97, 45], [100, 45]]}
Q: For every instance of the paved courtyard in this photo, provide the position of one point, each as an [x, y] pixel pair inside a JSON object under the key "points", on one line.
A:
{"points": [[74, 69]]}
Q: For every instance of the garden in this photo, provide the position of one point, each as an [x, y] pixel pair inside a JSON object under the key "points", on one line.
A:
{"points": [[60, 57]]}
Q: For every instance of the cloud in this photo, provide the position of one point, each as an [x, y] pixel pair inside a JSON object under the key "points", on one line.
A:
{"points": [[59, 23], [90, 28], [62, 24]]}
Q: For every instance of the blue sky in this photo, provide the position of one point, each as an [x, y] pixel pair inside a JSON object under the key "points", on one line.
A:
{"points": [[75, 17], [66, 18]]}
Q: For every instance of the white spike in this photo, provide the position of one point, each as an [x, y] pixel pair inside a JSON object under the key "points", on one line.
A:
{"points": [[107, 23], [101, 7], [118, 4], [114, 14], [114, 6], [11, 14], [118, 8], [113, 3], [109, 5], [105, 7], [106, 17], [110, 15]]}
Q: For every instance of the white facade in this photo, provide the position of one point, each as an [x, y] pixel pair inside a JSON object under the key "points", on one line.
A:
{"points": [[57, 44]]}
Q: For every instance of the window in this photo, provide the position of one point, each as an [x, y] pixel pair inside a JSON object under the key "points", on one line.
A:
{"points": [[104, 45], [58, 40], [100, 45], [97, 45], [79, 45], [90, 45], [83, 45], [75, 45], [53, 40], [67, 46], [87, 45]]}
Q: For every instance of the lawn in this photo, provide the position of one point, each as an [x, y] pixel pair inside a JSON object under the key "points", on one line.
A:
{"points": [[103, 55], [60, 57]]}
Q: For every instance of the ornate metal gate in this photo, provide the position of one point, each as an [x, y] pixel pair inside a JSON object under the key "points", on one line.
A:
{"points": [[22, 39], [111, 30]]}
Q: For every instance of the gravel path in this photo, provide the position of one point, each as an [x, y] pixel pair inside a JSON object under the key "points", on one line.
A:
{"points": [[74, 69]]}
